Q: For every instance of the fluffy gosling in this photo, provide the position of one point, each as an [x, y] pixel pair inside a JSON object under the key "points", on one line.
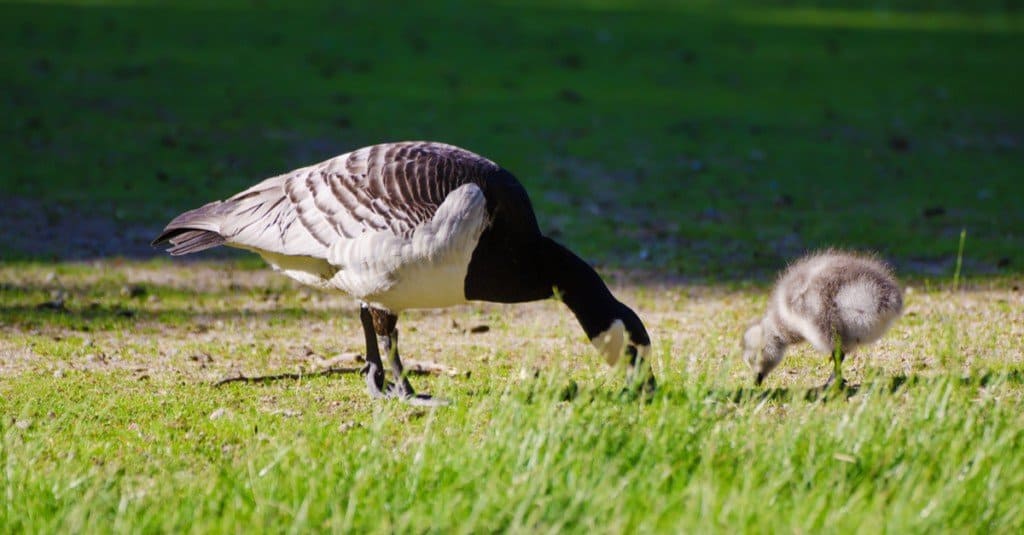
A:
{"points": [[835, 300]]}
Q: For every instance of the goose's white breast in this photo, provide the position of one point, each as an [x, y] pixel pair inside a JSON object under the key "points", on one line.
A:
{"points": [[426, 269]]}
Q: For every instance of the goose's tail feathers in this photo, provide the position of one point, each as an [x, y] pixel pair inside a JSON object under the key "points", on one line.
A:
{"points": [[193, 231]]}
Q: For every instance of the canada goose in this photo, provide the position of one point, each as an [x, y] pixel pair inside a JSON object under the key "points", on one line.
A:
{"points": [[835, 300], [412, 225]]}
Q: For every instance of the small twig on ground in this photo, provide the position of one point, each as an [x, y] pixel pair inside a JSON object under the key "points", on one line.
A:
{"points": [[277, 377], [412, 367]]}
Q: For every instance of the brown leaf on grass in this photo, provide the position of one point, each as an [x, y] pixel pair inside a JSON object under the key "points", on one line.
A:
{"points": [[341, 360], [423, 367]]}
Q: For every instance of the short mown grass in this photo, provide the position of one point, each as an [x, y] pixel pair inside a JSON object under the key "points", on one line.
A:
{"points": [[113, 421], [107, 452]]}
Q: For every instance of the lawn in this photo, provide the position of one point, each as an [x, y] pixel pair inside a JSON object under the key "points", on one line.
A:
{"points": [[113, 420], [687, 150]]}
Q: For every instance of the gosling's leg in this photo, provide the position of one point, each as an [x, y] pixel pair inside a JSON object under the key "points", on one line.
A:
{"points": [[836, 377]]}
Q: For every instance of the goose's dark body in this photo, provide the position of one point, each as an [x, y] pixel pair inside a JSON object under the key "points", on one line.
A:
{"points": [[409, 225]]}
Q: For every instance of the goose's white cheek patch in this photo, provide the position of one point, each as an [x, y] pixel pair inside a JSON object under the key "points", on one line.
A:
{"points": [[612, 342]]}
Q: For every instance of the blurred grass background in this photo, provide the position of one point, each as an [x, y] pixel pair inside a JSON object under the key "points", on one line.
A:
{"points": [[685, 143], [701, 139]]}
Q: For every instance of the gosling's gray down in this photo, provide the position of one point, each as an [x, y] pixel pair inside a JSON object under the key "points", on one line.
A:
{"points": [[835, 300]]}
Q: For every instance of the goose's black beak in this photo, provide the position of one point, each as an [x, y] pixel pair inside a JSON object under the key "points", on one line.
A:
{"points": [[640, 377], [759, 378], [631, 354]]}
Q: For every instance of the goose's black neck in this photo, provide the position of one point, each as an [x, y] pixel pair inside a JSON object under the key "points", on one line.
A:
{"points": [[513, 262], [534, 269], [580, 288]]}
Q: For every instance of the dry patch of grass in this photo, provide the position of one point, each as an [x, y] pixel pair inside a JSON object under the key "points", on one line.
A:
{"points": [[208, 321], [111, 416]]}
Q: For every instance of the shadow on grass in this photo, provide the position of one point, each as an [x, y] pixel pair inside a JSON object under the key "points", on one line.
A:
{"points": [[889, 385], [295, 376], [412, 367], [735, 116], [570, 392], [102, 316]]}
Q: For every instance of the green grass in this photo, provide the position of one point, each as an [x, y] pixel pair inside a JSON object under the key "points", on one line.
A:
{"points": [[689, 149], [707, 139], [113, 453], [111, 421]]}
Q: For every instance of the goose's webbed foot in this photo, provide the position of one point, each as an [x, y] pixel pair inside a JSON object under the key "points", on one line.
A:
{"points": [[425, 400], [403, 390], [376, 384], [381, 388], [381, 323]]}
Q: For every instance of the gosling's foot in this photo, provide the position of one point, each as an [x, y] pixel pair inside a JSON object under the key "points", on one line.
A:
{"points": [[832, 383], [832, 387]]}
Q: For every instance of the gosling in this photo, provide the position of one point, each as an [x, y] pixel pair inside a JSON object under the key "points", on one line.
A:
{"points": [[835, 300]]}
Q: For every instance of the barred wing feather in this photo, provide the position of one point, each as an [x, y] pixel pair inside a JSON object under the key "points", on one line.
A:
{"points": [[394, 187]]}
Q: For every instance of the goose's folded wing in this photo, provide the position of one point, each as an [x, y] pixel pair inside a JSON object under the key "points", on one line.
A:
{"points": [[393, 187]]}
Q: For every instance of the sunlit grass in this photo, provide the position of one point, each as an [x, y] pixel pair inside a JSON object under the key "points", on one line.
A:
{"points": [[114, 423]]}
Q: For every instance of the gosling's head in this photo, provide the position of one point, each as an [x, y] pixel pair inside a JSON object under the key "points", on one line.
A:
{"points": [[761, 352]]}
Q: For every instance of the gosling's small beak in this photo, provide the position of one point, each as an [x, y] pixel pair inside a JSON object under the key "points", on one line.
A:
{"points": [[759, 378]]}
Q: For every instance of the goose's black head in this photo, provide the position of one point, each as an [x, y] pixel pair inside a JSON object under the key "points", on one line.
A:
{"points": [[621, 333], [613, 328]]}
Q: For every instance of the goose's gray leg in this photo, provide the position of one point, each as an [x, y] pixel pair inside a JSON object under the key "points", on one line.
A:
{"points": [[374, 369], [385, 322], [401, 386]]}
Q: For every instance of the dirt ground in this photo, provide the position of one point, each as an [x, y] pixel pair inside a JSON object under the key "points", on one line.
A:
{"points": [[256, 322]]}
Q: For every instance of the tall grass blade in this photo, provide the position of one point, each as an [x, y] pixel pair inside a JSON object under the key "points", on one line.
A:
{"points": [[959, 260]]}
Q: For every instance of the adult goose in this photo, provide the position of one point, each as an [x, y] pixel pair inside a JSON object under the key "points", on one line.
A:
{"points": [[412, 225], [836, 300]]}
